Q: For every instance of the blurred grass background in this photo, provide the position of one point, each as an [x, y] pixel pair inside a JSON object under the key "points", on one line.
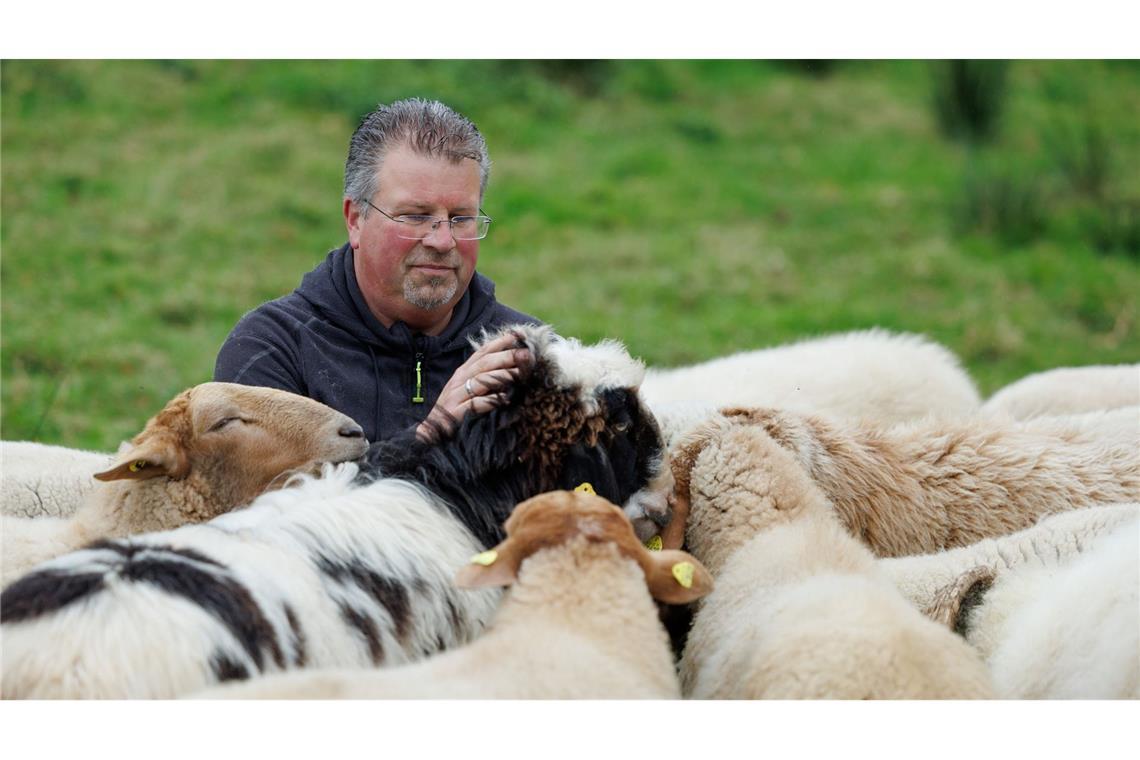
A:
{"points": [[689, 208]]}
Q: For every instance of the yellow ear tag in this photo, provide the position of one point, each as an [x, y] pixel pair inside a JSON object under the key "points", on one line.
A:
{"points": [[654, 544], [485, 558], [586, 488], [136, 465], [683, 572]]}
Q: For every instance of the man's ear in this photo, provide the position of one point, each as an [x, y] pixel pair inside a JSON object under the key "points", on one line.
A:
{"points": [[352, 220], [676, 577], [494, 567], [158, 456]]}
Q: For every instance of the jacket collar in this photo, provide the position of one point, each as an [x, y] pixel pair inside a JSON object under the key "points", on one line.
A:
{"points": [[332, 289]]}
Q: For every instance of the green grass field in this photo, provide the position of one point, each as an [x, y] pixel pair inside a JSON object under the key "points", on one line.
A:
{"points": [[691, 209]]}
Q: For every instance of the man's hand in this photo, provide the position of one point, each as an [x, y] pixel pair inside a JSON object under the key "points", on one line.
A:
{"points": [[479, 383]]}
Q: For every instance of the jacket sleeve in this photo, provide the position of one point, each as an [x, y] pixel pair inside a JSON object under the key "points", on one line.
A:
{"points": [[257, 354]]}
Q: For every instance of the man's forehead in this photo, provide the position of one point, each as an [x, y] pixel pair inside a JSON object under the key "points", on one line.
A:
{"points": [[407, 176], [404, 155]]}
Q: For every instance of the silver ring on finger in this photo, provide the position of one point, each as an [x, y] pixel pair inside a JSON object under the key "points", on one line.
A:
{"points": [[467, 387]]}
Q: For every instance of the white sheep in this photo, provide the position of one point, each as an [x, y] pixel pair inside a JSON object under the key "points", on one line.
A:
{"points": [[578, 623], [874, 374], [1054, 610], [40, 480], [349, 569], [1067, 390], [800, 610], [1115, 426], [212, 448], [936, 483]]}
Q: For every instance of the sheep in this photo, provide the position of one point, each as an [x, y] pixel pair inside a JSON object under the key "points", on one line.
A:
{"points": [[1054, 610], [578, 622], [874, 374], [1057, 539], [922, 487], [1067, 390], [38, 480], [350, 569], [799, 610], [1114, 426], [934, 484], [212, 448]]}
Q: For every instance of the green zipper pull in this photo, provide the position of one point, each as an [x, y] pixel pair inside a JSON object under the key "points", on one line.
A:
{"points": [[419, 397]]}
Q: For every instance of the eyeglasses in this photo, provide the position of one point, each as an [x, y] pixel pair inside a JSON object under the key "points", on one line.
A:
{"points": [[419, 226]]}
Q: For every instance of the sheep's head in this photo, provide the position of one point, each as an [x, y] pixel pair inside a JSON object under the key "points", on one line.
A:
{"points": [[573, 416], [734, 481], [227, 443], [577, 417], [552, 519]]}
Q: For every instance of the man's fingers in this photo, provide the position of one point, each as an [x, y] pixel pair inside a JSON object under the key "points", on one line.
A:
{"points": [[501, 343], [483, 404], [478, 385], [517, 357], [492, 381], [490, 372]]}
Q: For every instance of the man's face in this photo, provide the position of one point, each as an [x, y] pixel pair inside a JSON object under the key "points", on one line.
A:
{"points": [[416, 281]]}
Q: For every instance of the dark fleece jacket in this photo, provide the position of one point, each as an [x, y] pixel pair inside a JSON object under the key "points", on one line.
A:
{"points": [[322, 341]]}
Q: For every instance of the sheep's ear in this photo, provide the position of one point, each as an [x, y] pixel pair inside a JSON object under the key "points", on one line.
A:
{"points": [[154, 458], [952, 603], [494, 567], [673, 534], [685, 453], [676, 577]]}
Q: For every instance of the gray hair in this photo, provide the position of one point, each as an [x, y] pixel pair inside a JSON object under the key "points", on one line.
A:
{"points": [[426, 126]]}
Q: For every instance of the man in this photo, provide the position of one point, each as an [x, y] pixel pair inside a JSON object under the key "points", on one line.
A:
{"points": [[380, 329]]}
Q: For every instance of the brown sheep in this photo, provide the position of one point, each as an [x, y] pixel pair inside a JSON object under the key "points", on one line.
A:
{"points": [[936, 484], [212, 448]]}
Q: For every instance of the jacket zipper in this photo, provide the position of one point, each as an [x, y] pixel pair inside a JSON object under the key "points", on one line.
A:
{"points": [[418, 396]]}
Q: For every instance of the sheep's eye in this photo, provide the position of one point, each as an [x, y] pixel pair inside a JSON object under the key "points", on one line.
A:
{"points": [[622, 426], [222, 423]]}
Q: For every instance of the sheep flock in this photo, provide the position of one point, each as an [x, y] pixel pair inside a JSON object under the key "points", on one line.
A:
{"points": [[840, 518]]}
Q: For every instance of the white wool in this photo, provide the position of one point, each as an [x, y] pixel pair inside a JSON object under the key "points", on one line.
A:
{"points": [[40, 480], [607, 366], [1118, 426], [677, 418], [1071, 632], [1068, 390], [29, 541], [1062, 618], [874, 374]]}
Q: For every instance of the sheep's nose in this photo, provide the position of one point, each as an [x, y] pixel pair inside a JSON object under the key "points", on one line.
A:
{"points": [[351, 430]]}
